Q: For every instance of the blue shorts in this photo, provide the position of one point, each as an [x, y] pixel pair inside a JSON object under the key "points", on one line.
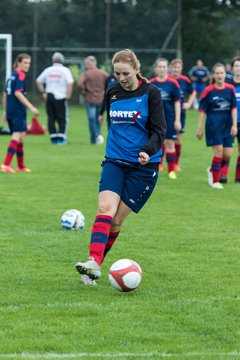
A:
{"points": [[17, 124], [134, 185], [199, 87], [171, 132], [225, 141]]}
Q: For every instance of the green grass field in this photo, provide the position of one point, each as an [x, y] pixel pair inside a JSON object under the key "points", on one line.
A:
{"points": [[186, 239]]}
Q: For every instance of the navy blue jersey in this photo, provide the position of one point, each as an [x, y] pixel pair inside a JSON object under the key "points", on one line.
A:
{"points": [[218, 104], [110, 81], [229, 76], [237, 89], [199, 73], [137, 123], [185, 88], [15, 109], [170, 91]]}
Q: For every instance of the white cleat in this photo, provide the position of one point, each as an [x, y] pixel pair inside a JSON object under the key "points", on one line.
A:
{"points": [[88, 281], [210, 176], [217, 185], [90, 268]]}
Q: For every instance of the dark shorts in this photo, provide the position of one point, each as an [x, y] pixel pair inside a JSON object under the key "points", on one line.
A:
{"points": [[238, 134], [171, 132], [226, 141], [17, 125], [134, 185], [199, 87]]}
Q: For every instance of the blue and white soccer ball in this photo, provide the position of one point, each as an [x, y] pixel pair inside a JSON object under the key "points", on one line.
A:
{"points": [[73, 220]]}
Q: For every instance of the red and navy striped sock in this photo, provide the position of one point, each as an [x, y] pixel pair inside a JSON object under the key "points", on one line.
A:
{"points": [[111, 240], [163, 153], [12, 148], [171, 160], [178, 148], [216, 168], [237, 174], [99, 237], [224, 167], [20, 155]]}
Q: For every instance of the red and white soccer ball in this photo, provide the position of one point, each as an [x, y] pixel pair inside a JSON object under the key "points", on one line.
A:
{"points": [[125, 275]]}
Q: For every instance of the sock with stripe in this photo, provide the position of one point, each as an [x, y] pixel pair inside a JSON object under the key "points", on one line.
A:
{"points": [[99, 237], [171, 160], [11, 150], [111, 240], [237, 173], [224, 168], [178, 148], [20, 155], [216, 168]]}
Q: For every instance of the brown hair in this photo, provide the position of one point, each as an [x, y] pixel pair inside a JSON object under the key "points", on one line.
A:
{"points": [[176, 61], [160, 59], [213, 71], [127, 56], [20, 58], [236, 58]]}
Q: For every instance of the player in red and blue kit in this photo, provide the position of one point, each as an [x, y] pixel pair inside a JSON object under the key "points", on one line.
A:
{"points": [[130, 171], [15, 104], [200, 75], [186, 89], [236, 83], [170, 92], [218, 103]]}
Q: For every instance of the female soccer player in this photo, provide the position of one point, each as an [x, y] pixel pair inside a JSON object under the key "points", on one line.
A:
{"points": [[133, 151], [186, 89], [15, 104], [170, 92], [236, 83], [218, 103]]}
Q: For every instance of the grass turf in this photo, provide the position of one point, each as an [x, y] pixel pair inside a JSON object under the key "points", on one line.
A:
{"points": [[186, 239]]}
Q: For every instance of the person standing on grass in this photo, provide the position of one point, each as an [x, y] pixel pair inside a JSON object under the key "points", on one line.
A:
{"points": [[186, 89], [91, 85], [14, 106], [236, 83], [55, 84], [133, 151], [218, 104], [199, 75], [170, 92]]}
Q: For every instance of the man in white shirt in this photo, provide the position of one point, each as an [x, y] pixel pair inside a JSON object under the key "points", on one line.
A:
{"points": [[55, 84]]}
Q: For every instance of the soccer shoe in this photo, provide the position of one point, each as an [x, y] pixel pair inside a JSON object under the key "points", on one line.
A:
{"points": [[217, 185], [210, 176], [172, 175], [160, 167], [23, 169], [177, 167], [87, 280], [7, 168], [90, 268], [223, 179]]}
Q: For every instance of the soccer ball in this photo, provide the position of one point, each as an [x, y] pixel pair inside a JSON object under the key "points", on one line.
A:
{"points": [[125, 275], [100, 139], [73, 220]]}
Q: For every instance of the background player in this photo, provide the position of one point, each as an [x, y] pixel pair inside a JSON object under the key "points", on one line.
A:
{"points": [[218, 103], [186, 89], [170, 92], [236, 83], [200, 75], [14, 105]]}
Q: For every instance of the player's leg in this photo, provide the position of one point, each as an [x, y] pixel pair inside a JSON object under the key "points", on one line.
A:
{"points": [[216, 165], [20, 154], [11, 149], [62, 119], [50, 108], [170, 157], [91, 113], [227, 155], [237, 171]]}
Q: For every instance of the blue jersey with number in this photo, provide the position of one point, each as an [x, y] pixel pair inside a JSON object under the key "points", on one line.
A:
{"points": [[237, 89], [15, 109], [218, 105], [170, 91], [137, 123]]}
